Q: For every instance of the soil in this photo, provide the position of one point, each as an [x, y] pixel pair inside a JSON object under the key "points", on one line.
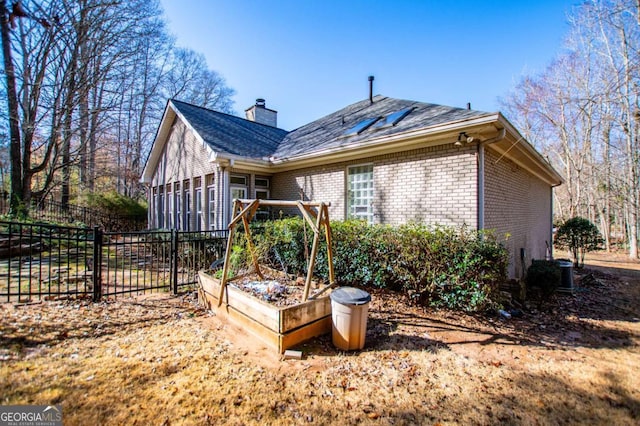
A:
{"points": [[274, 287], [162, 359]]}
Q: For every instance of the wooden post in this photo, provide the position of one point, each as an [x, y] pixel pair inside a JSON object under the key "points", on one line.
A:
{"points": [[227, 254], [314, 253], [327, 233], [245, 210], [251, 209]]}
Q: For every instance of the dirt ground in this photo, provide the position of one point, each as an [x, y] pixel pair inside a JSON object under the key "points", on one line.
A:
{"points": [[162, 360]]}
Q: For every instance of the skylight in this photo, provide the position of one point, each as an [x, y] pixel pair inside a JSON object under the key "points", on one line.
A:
{"points": [[361, 126], [393, 119]]}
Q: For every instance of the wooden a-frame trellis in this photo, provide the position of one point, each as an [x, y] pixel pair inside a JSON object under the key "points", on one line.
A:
{"points": [[245, 210]]}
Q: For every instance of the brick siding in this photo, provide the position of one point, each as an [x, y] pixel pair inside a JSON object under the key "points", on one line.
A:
{"points": [[519, 204], [429, 185]]}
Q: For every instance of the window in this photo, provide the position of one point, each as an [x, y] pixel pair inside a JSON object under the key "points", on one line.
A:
{"points": [[360, 127], [187, 210], [262, 193], [238, 180], [155, 206], [161, 210], [360, 193], [262, 182], [212, 207], [392, 119], [178, 209], [238, 193], [262, 188], [199, 209], [170, 202], [238, 187]]}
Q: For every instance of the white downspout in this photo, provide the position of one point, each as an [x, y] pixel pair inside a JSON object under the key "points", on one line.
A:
{"points": [[225, 197], [480, 186], [481, 146]]}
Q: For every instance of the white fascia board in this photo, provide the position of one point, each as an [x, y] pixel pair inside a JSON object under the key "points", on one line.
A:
{"points": [[523, 146], [239, 162], [161, 140], [158, 143]]}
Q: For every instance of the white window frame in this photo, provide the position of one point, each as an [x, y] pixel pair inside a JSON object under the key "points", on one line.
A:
{"points": [[155, 207], [178, 209], [161, 208], [187, 209], [355, 211], [238, 191], [211, 192], [170, 201], [198, 196]]}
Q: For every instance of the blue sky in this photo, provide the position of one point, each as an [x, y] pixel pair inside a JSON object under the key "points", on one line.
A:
{"points": [[310, 58]]}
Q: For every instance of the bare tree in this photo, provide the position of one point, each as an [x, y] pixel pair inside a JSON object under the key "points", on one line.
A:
{"points": [[582, 111], [86, 83]]}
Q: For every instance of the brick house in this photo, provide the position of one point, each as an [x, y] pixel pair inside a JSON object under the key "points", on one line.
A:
{"points": [[383, 160]]}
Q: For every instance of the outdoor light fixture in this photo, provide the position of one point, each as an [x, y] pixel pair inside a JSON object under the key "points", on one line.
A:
{"points": [[462, 138]]}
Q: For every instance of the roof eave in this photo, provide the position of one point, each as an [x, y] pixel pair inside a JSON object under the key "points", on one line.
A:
{"points": [[161, 138], [433, 135], [262, 165], [543, 169]]}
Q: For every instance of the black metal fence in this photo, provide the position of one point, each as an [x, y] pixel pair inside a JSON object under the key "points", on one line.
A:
{"points": [[54, 211], [40, 261]]}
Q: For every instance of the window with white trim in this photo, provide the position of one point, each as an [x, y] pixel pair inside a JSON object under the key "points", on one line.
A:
{"points": [[199, 209], [238, 184], [360, 192], [212, 207], [187, 209], [178, 209], [170, 202], [161, 209]]}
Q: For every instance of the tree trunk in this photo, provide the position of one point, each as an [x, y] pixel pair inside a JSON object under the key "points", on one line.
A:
{"points": [[17, 207]]}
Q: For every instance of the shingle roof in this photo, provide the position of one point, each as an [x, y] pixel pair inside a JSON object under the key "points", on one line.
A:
{"points": [[328, 132], [229, 134]]}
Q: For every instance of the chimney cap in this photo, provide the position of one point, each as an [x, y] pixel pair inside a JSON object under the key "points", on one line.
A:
{"points": [[260, 102]]}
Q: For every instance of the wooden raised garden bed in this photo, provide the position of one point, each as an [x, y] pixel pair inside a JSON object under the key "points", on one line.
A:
{"points": [[279, 327]]}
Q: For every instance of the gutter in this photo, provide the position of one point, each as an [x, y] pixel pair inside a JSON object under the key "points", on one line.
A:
{"points": [[435, 132], [480, 148]]}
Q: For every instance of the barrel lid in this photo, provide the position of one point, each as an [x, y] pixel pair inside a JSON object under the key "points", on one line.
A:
{"points": [[564, 263], [350, 296]]}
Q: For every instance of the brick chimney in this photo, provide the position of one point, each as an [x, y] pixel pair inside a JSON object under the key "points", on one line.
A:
{"points": [[261, 114]]}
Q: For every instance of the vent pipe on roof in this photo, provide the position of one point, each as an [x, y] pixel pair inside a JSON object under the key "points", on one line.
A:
{"points": [[371, 88], [468, 105]]}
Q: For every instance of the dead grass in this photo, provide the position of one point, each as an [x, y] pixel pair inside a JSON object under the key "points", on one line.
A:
{"points": [[162, 360]]}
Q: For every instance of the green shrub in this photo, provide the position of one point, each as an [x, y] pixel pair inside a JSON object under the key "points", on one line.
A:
{"points": [[438, 266], [544, 274], [113, 203], [580, 236]]}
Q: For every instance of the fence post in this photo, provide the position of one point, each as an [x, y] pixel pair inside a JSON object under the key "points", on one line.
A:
{"points": [[97, 264], [174, 260]]}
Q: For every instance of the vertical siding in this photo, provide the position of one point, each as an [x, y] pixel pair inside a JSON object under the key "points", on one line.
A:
{"points": [[518, 204], [183, 159]]}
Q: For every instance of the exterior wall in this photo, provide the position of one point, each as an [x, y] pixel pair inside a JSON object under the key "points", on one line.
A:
{"points": [[430, 185], [517, 204], [183, 157], [184, 161]]}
